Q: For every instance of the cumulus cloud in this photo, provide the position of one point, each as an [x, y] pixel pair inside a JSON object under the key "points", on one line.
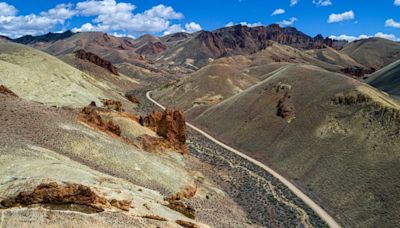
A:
{"points": [[293, 2], [87, 27], [173, 29], [61, 12], [386, 36], [105, 15], [352, 38], [345, 16], [13, 25], [392, 23], [7, 10], [112, 16], [189, 28], [104, 7], [192, 27], [278, 12], [396, 2], [323, 2], [290, 22]]}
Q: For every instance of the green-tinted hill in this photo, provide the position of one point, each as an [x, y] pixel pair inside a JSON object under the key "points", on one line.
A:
{"points": [[38, 76], [387, 79]]}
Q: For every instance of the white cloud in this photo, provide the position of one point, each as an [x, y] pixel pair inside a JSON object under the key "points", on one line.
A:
{"points": [[278, 12], [7, 10], [293, 2], [116, 34], [173, 29], [322, 2], [243, 23], [14, 25], [230, 24], [348, 38], [392, 23], [87, 27], [396, 2], [348, 15], [111, 16], [61, 12], [255, 24], [189, 28], [192, 27], [290, 22], [103, 7], [386, 36], [352, 38], [161, 11]]}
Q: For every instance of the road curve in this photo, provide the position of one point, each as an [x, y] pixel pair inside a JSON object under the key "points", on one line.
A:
{"points": [[309, 202]]}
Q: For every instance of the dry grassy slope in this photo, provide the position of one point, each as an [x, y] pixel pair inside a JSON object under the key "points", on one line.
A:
{"points": [[345, 156], [67, 151], [373, 52], [387, 79], [37, 76], [330, 55], [227, 76]]}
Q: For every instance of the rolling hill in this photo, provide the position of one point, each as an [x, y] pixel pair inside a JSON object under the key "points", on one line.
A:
{"points": [[69, 158], [228, 76], [373, 52], [387, 79], [322, 130], [37, 76]]}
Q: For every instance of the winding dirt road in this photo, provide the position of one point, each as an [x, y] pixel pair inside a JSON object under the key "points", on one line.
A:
{"points": [[307, 200]]}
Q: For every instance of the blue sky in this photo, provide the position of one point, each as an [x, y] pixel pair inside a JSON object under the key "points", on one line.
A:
{"points": [[349, 18]]}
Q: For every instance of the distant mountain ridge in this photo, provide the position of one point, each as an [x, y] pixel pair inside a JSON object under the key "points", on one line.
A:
{"points": [[49, 37], [177, 49]]}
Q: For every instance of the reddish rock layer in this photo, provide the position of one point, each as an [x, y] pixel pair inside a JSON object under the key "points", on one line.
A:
{"points": [[187, 224], [6, 91], [132, 98], [111, 104], [170, 125], [82, 54], [90, 115], [53, 193]]}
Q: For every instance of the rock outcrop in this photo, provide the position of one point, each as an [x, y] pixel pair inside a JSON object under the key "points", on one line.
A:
{"points": [[90, 115], [132, 98], [112, 104], [55, 194], [285, 105], [358, 72], [4, 90], [170, 125], [187, 224], [95, 59]]}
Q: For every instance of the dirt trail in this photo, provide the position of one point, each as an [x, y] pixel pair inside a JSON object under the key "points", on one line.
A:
{"points": [[308, 201]]}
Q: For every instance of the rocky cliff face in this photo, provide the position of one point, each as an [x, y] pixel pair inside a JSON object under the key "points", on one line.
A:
{"points": [[170, 125], [242, 39], [95, 59]]}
